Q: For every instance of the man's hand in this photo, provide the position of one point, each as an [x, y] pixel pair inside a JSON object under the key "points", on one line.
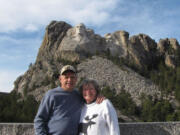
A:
{"points": [[100, 99]]}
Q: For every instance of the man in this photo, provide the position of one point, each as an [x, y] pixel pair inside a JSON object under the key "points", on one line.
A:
{"points": [[60, 109]]}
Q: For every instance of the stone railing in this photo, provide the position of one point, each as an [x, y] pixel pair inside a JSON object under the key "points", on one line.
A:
{"points": [[155, 128]]}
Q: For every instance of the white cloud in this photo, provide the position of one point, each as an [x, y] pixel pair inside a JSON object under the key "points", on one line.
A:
{"points": [[7, 79], [149, 17], [31, 28], [29, 15]]}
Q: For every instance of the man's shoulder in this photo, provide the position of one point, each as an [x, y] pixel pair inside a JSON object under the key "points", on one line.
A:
{"points": [[76, 91], [53, 91]]}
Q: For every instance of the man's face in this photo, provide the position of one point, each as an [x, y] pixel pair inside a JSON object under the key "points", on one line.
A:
{"points": [[68, 80]]}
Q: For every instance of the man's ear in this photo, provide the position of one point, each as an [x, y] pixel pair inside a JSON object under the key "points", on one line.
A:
{"points": [[59, 78]]}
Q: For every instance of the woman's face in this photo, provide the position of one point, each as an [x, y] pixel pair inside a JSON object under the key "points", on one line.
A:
{"points": [[89, 93]]}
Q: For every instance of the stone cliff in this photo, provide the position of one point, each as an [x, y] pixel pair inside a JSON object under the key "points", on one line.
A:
{"points": [[80, 45]]}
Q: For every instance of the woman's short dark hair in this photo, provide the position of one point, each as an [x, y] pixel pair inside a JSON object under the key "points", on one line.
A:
{"points": [[89, 81]]}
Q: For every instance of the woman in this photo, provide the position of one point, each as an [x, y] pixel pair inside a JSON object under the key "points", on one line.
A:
{"points": [[96, 119]]}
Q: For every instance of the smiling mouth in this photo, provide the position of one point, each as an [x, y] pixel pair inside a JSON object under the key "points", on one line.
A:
{"points": [[69, 84], [89, 95]]}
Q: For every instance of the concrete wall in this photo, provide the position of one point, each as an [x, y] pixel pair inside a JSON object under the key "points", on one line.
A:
{"points": [[157, 128], [16, 129]]}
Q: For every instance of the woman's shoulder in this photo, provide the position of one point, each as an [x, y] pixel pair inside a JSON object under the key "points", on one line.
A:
{"points": [[107, 106], [106, 102]]}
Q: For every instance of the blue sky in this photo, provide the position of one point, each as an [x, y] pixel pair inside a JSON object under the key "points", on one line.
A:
{"points": [[22, 25]]}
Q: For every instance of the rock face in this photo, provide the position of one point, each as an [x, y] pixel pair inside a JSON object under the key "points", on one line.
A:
{"points": [[142, 50], [63, 43], [117, 43], [54, 34], [167, 48], [80, 42]]}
